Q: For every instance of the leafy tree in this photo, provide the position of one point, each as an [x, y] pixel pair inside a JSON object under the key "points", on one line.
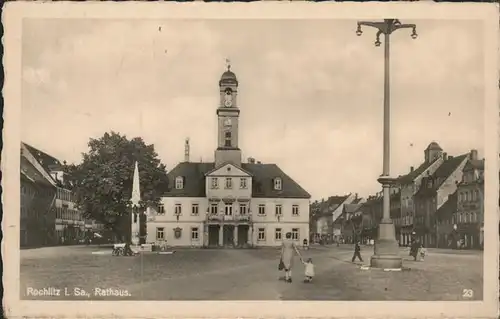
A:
{"points": [[102, 182]]}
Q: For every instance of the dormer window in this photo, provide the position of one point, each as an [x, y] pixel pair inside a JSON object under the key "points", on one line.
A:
{"points": [[179, 182], [277, 184]]}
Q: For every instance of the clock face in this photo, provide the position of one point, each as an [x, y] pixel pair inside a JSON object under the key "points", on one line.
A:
{"points": [[228, 100]]}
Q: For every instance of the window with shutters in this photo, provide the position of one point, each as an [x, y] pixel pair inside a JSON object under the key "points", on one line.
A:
{"points": [[161, 209], [261, 234], [160, 233], [262, 209], [195, 209], [277, 210], [278, 234]]}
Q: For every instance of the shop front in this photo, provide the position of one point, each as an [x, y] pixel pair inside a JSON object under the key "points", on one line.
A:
{"points": [[406, 235], [469, 236]]}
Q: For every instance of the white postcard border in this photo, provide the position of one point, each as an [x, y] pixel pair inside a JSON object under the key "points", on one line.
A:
{"points": [[13, 14]]}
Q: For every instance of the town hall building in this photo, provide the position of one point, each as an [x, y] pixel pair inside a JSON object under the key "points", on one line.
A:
{"points": [[229, 203]]}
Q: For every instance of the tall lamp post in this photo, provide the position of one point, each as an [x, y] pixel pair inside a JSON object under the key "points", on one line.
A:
{"points": [[386, 250]]}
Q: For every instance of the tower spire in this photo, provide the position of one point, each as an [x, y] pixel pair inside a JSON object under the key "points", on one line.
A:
{"points": [[135, 226], [136, 191], [186, 150], [228, 64]]}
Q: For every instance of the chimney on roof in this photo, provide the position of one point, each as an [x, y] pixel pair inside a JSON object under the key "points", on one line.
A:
{"points": [[473, 155], [411, 169], [251, 160], [186, 150], [445, 156], [356, 196]]}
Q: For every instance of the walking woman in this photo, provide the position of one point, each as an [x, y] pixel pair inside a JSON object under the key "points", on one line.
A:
{"points": [[288, 249]]}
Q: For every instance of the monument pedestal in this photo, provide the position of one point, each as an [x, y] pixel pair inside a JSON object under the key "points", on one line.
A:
{"points": [[386, 250]]}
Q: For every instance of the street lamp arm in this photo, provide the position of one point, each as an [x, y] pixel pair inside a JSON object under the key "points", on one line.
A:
{"points": [[378, 25], [403, 26]]}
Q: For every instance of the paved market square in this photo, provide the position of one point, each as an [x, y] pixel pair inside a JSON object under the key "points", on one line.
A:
{"points": [[237, 274]]}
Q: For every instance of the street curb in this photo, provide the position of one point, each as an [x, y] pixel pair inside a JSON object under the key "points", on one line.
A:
{"points": [[383, 269]]}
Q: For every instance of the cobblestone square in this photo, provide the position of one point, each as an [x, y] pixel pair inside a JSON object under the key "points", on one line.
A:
{"points": [[206, 274]]}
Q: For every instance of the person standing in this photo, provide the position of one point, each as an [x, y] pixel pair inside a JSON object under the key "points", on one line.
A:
{"points": [[357, 252], [288, 250], [415, 246]]}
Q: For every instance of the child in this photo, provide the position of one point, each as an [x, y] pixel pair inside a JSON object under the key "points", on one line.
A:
{"points": [[422, 252], [309, 270]]}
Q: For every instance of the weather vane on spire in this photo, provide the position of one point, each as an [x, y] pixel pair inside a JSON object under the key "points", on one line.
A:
{"points": [[228, 64]]}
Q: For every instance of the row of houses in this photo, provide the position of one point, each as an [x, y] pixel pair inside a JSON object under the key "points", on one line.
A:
{"points": [[48, 212], [440, 203]]}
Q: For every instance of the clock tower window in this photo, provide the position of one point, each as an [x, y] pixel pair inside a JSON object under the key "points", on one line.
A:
{"points": [[227, 139]]}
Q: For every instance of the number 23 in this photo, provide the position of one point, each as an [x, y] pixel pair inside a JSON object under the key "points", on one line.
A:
{"points": [[467, 293]]}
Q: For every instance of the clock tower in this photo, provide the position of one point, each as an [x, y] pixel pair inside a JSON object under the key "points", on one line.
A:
{"points": [[228, 119]]}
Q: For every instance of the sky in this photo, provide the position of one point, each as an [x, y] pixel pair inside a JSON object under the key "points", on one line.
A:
{"points": [[310, 92]]}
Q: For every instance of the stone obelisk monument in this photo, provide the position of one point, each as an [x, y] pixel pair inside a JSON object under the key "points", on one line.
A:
{"points": [[135, 199]]}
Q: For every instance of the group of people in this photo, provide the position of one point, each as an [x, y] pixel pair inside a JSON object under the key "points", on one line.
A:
{"points": [[417, 250], [288, 250]]}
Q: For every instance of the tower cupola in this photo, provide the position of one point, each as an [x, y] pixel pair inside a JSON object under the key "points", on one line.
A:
{"points": [[228, 119], [228, 78]]}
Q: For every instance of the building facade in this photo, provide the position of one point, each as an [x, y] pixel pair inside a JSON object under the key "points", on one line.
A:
{"points": [[433, 193], [469, 217], [63, 223], [438, 203], [409, 185], [395, 211], [352, 222], [371, 211], [447, 236], [37, 195], [228, 203], [327, 223], [71, 226]]}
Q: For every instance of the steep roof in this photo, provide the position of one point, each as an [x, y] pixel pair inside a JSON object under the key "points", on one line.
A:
{"points": [[31, 173], [475, 164], [194, 179], [352, 208], [263, 186], [47, 161], [357, 201], [336, 200], [328, 206], [448, 208], [411, 176], [441, 174], [262, 181]]}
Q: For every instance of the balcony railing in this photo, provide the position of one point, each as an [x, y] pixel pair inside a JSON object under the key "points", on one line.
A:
{"points": [[223, 217]]}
